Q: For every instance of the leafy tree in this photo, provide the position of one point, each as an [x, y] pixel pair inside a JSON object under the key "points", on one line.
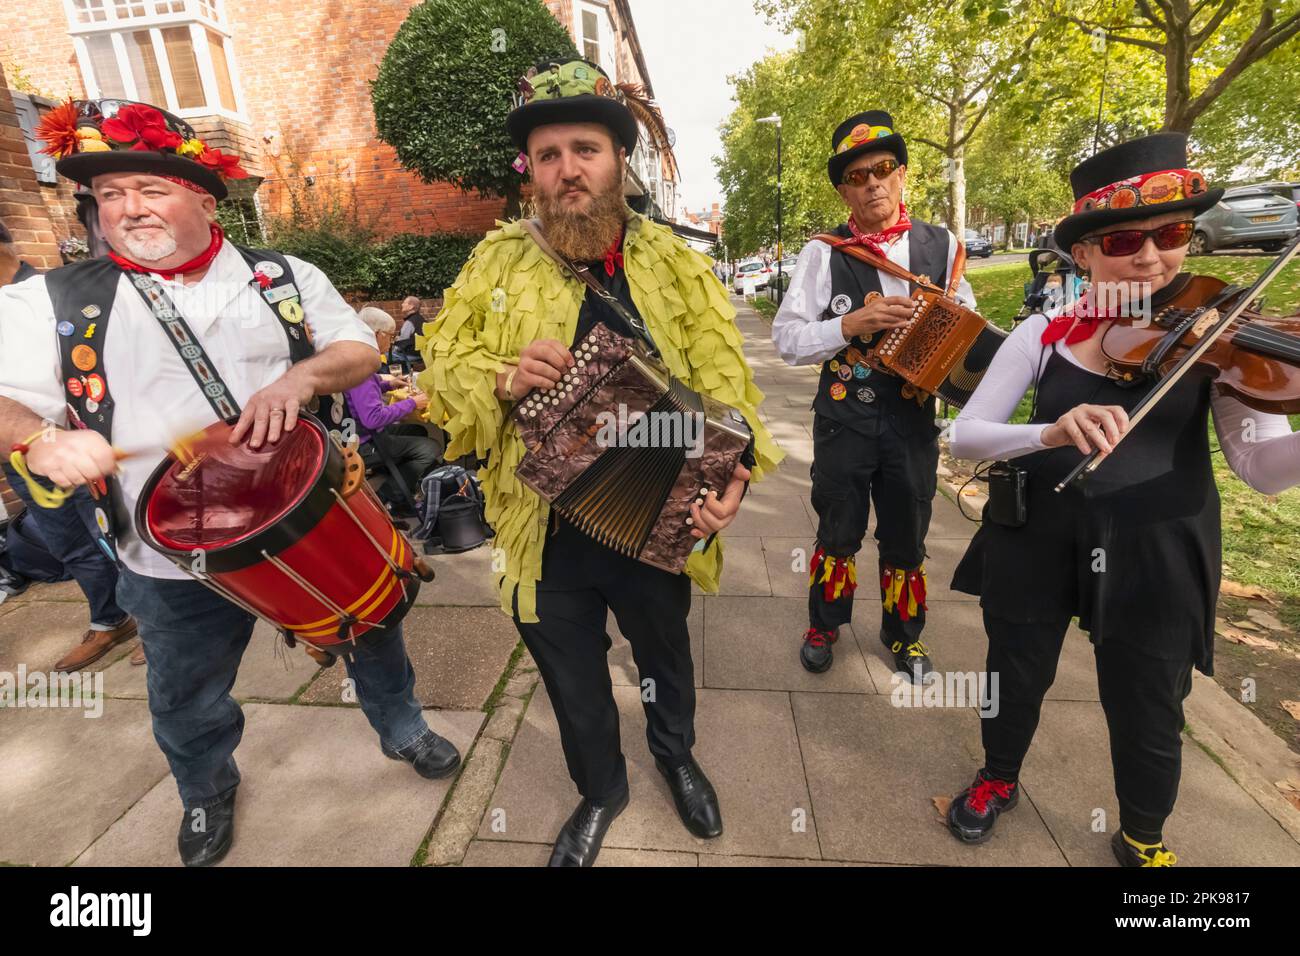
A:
{"points": [[1206, 45], [445, 85]]}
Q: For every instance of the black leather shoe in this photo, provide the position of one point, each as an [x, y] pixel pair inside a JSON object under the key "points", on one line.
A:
{"points": [[816, 655], [582, 834], [432, 756], [1131, 853], [205, 836], [912, 659], [695, 798]]}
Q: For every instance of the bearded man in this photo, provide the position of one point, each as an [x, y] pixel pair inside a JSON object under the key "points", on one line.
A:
{"points": [[506, 327]]}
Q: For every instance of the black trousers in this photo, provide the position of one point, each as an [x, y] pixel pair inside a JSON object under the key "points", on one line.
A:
{"points": [[852, 471], [1142, 697], [581, 581]]}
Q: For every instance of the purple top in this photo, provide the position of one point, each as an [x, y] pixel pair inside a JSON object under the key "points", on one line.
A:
{"points": [[367, 403]]}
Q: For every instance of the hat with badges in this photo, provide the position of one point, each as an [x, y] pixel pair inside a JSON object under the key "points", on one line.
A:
{"points": [[579, 91], [90, 137], [864, 133]]}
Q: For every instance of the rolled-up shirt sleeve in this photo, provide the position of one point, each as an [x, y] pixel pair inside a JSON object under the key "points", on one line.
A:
{"points": [[29, 350], [798, 331], [965, 294], [330, 317]]}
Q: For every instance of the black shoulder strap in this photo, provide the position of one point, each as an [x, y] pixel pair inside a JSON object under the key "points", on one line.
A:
{"points": [[274, 278]]}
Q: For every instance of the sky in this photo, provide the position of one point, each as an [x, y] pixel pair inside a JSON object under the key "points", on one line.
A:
{"points": [[690, 47]]}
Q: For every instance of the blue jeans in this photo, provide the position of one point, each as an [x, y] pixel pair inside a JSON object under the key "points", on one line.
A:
{"points": [[68, 536], [194, 640]]}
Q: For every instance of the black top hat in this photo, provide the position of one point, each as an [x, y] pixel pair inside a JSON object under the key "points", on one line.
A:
{"points": [[1134, 180], [92, 137], [569, 91], [863, 133]]}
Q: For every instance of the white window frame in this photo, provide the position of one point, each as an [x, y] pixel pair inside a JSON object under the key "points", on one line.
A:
{"points": [[605, 38], [198, 22]]}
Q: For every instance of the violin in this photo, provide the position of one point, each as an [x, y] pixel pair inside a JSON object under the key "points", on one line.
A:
{"points": [[1255, 360], [1211, 328]]}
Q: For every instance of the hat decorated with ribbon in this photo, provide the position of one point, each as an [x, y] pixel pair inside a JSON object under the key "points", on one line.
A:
{"points": [[88, 138], [579, 91], [866, 132], [1135, 180]]}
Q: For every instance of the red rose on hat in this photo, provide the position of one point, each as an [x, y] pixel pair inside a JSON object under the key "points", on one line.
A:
{"points": [[225, 165], [142, 126]]}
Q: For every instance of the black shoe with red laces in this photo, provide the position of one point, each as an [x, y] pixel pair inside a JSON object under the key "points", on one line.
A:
{"points": [[974, 811], [815, 655]]}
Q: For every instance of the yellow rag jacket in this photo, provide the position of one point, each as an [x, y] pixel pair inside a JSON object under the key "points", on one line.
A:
{"points": [[510, 293]]}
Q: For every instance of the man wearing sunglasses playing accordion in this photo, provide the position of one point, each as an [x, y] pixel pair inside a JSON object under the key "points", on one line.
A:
{"points": [[874, 435], [1135, 553]]}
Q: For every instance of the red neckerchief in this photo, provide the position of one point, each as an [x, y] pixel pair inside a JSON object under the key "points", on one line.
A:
{"points": [[878, 242], [614, 255], [1088, 320], [201, 261]]}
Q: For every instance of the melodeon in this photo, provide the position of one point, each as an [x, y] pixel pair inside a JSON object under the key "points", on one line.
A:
{"points": [[632, 494], [945, 348]]}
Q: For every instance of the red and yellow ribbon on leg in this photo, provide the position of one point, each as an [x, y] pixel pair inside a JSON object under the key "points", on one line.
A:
{"points": [[903, 590]]}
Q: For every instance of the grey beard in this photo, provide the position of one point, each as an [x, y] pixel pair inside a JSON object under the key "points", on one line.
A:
{"points": [[143, 250]]}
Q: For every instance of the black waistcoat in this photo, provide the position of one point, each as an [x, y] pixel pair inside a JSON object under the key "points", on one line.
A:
{"points": [[1133, 550], [867, 399]]}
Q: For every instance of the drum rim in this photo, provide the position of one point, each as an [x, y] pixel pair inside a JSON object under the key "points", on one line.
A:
{"points": [[246, 550]]}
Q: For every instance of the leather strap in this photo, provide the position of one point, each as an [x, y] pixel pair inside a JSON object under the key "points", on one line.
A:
{"points": [[862, 253], [583, 274]]}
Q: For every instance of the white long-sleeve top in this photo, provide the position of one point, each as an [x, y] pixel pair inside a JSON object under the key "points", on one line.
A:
{"points": [[1260, 448], [800, 335]]}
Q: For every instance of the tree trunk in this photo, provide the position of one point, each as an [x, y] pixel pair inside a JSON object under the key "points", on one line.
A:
{"points": [[956, 174]]}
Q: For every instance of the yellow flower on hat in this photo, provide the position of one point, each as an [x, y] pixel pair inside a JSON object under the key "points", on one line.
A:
{"points": [[88, 132], [191, 148], [89, 144]]}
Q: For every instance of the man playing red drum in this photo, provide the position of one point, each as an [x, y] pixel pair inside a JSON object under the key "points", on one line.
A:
{"points": [[176, 328]]}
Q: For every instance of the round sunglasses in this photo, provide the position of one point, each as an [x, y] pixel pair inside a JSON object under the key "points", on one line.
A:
{"points": [[881, 170], [1126, 242]]}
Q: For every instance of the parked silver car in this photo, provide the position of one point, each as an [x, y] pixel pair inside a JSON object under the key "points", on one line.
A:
{"points": [[1246, 216]]}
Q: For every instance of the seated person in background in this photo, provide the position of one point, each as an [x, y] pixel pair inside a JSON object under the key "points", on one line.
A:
{"points": [[412, 323], [410, 446]]}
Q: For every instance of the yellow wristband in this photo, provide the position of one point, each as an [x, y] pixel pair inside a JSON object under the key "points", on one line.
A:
{"points": [[43, 497]]}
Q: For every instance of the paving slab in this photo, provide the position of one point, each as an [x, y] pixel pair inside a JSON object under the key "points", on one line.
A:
{"points": [[316, 791], [461, 579], [770, 515], [744, 569], [501, 853], [622, 665], [458, 654], [954, 632], [753, 643], [269, 670], [874, 771], [38, 633], [1215, 823], [66, 777], [745, 741]]}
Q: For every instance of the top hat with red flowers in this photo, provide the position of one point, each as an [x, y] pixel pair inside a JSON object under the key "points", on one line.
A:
{"points": [[1135, 180], [92, 137]]}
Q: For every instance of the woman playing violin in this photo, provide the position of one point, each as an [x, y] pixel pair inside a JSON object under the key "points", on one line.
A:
{"points": [[1134, 551]]}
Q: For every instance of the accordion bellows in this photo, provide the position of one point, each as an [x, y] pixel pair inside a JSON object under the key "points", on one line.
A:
{"points": [[672, 446]]}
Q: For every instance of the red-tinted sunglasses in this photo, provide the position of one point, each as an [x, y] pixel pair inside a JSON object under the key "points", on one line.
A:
{"points": [[1126, 242]]}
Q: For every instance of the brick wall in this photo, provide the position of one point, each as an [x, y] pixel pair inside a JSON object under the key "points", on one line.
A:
{"points": [[22, 206]]}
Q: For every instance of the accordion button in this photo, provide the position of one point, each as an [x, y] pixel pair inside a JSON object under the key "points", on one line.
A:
{"points": [[581, 363], [699, 501], [533, 413], [690, 521]]}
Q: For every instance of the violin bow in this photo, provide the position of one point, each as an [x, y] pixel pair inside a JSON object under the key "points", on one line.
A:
{"points": [[1193, 354]]}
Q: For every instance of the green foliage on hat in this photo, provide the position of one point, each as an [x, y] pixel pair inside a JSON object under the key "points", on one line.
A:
{"points": [[446, 84]]}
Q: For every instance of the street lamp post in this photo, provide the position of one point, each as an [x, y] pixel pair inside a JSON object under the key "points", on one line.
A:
{"points": [[780, 290]]}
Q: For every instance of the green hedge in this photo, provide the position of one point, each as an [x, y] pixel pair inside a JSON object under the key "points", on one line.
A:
{"points": [[404, 265]]}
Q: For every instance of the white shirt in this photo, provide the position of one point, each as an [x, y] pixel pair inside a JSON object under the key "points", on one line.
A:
{"points": [[798, 331], [1260, 448], [157, 400]]}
